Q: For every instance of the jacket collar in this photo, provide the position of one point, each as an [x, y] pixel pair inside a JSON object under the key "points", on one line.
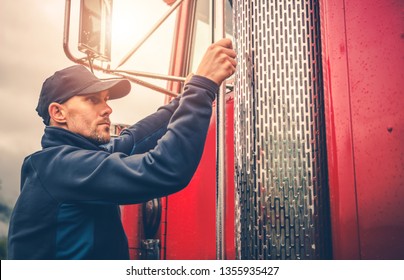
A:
{"points": [[56, 136]]}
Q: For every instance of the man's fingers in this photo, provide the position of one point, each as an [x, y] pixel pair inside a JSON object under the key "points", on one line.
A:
{"points": [[227, 43], [230, 55], [230, 52], [219, 61], [233, 62]]}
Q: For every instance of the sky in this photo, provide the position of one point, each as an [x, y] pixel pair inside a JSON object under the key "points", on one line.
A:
{"points": [[31, 37]]}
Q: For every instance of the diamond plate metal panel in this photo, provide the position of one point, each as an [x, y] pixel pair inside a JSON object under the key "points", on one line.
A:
{"points": [[281, 175]]}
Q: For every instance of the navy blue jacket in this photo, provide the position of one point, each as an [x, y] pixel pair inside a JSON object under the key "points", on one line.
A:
{"points": [[71, 190]]}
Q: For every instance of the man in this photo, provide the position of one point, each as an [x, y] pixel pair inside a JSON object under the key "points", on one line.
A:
{"points": [[71, 189]]}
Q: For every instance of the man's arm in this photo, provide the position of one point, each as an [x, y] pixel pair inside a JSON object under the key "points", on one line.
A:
{"points": [[142, 136], [102, 177], [93, 176]]}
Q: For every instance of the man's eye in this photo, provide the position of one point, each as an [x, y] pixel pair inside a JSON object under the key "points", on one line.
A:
{"points": [[93, 100]]}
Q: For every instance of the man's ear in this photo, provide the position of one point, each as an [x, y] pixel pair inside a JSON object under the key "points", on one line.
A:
{"points": [[57, 113]]}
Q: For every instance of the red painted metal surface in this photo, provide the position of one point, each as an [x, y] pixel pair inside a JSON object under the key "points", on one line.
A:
{"points": [[376, 52], [363, 70], [339, 132], [181, 45], [191, 212], [132, 223], [188, 230]]}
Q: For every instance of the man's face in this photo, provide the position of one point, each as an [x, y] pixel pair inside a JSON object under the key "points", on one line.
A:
{"points": [[88, 115]]}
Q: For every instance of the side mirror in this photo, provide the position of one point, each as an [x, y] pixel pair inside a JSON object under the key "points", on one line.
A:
{"points": [[95, 29]]}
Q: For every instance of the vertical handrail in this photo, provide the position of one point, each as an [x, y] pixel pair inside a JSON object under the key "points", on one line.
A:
{"points": [[219, 33]]}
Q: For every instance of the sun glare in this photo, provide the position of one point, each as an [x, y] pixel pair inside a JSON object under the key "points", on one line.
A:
{"points": [[131, 21]]}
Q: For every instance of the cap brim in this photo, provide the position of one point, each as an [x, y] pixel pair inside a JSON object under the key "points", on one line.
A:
{"points": [[117, 88]]}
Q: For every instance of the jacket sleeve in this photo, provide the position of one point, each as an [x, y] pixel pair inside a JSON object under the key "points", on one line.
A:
{"points": [[142, 136], [103, 177]]}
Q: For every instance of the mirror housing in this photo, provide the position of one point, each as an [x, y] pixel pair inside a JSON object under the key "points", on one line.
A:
{"points": [[95, 29]]}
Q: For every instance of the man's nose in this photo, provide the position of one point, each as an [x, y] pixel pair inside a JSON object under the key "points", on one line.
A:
{"points": [[107, 110]]}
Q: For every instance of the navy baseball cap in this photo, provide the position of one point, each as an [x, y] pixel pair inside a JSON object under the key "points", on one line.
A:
{"points": [[76, 80]]}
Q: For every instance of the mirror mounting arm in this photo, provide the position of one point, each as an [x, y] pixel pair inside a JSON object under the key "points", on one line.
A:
{"points": [[86, 61]]}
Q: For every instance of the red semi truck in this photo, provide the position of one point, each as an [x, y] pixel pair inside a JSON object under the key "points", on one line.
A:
{"points": [[312, 149]]}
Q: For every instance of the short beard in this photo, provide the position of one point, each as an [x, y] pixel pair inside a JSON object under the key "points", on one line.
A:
{"points": [[98, 139]]}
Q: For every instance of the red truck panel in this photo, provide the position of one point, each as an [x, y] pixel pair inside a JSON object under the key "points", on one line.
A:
{"points": [[363, 66], [191, 212]]}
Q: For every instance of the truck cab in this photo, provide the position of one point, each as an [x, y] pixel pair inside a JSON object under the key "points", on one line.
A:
{"points": [[313, 136]]}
